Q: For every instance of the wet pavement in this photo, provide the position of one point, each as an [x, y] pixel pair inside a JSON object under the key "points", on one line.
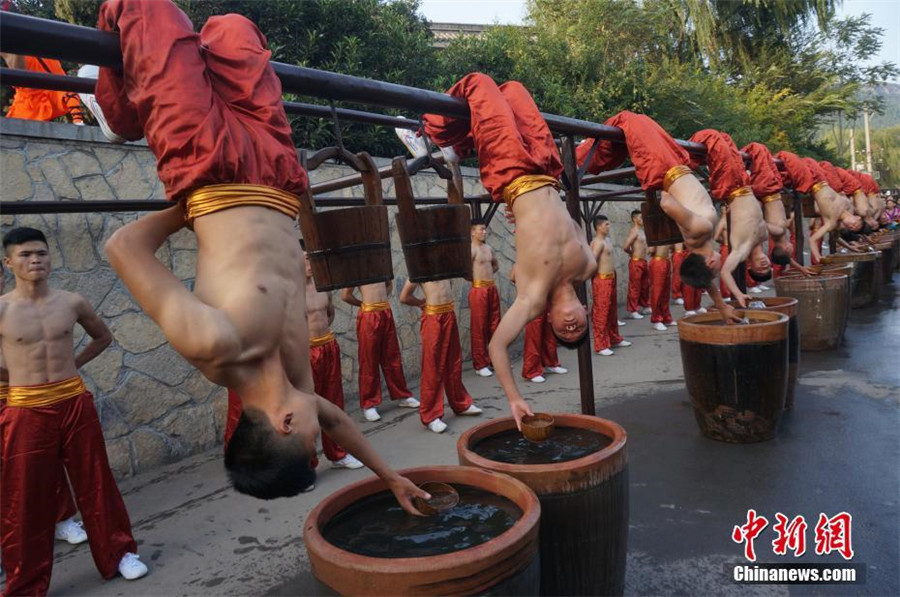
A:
{"points": [[838, 450]]}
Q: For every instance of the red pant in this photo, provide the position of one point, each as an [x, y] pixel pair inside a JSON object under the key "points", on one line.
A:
{"points": [[850, 182], [726, 166], [326, 370], [209, 104], [691, 297], [832, 176], [764, 176], [638, 285], [797, 173], [677, 284], [378, 346], [441, 367], [40, 439], [660, 290], [723, 255], [653, 151], [506, 129], [540, 347], [604, 314], [484, 317]]}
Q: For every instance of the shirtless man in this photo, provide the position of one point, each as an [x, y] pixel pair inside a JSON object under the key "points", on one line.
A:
{"points": [[806, 176], [604, 313], [49, 421], [210, 108], [660, 276], [484, 300], [520, 165], [441, 354], [376, 336], [638, 300], [722, 239], [847, 186]]}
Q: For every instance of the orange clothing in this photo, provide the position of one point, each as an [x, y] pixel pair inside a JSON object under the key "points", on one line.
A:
{"points": [[43, 104], [506, 129], [441, 367], [798, 173], [604, 316], [764, 176], [653, 151], [677, 284], [540, 347], [208, 104], [849, 182], [832, 176], [484, 317], [638, 285], [379, 351], [660, 275], [726, 166]]}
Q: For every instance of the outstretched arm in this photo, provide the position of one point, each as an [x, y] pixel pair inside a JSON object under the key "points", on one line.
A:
{"points": [[727, 275], [511, 325], [727, 311], [815, 239]]}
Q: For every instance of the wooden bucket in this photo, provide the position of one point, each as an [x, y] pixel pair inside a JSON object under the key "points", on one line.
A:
{"points": [[863, 278], [659, 228], [351, 246], [888, 250], [437, 242], [823, 309]]}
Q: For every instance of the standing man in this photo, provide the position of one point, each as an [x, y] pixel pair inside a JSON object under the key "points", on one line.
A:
{"points": [[484, 300], [441, 354], [50, 421], [638, 302], [379, 349], [603, 315], [660, 275]]}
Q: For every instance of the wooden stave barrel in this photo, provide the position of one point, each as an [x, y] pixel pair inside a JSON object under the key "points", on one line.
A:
{"points": [[743, 400], [864, 278], [505, 565], [887, 264], [437, 243], [823, 310], [580, 501], [788, 306], [659, 228]]}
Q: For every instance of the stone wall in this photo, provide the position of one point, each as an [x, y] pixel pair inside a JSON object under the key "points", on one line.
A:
{"points": [[154, 407]]}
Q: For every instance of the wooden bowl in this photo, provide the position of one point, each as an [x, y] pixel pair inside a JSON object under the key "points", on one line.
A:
{"points": [[537, 428], [443, 497]]}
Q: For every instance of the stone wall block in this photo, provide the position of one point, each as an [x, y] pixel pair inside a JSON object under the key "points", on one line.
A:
{"points": [[137, 333], [192, 426], [153, 449], [35, 150], [142, 399], [94, 188], [117, 301], [184, 264], [80, 163], [76, 244], [110, 157], [118, 451], [17, 184], [199, 388], [162, 364], [127, 179], [104, 370], [58, 178], [111, 420], [183, 239]]}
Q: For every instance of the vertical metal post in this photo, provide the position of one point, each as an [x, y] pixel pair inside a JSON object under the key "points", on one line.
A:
{"points": [[798, 227], [573, 204]]}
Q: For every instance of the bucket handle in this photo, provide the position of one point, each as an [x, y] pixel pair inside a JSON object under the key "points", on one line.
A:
{"points": [[362, 162]]}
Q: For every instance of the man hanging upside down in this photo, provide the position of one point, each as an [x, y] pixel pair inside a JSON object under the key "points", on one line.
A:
{"points": [[210, 108], [520, 165]]}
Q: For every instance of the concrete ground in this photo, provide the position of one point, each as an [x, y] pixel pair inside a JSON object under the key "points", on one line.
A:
{"points": [[837, 451]]}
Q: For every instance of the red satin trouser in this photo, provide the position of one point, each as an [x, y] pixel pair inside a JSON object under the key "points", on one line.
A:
{"points": [[723, 255], [378, 347], [40, 439], [484, 317], [208, 104], [691, 297], [798, 173], [506, 129], [441, 367], [540, 347], [638, 285], [764, 177], [726, 166], [677, 284], [326, 371], [660, 290], [604, 315]]}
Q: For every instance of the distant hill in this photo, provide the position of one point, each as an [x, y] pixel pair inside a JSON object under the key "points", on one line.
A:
{"points": [[890, 93]]}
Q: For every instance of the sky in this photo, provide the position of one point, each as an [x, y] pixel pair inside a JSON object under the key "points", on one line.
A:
{"points": [[885, 14]]}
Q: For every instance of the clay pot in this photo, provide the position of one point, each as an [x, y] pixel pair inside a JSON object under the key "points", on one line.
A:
{"points": [[505, 565], [736, 375], [824, 306], [584, 505]]}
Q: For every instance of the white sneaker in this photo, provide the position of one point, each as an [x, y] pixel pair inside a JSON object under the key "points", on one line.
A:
{"points": [[755, 290], [606, 352], [635, 315], [763, 287], [484, 372], [90, 71], [679, 301], [622, 344], [647, 311], [727, 300], [538, 379], [437, 426], [621, 323], [659, 326], [371, 415], [414, 143], [348, 461], [689, 313], [308, 489], [131, 567], [410, 402], [470, 412], [701, 310], [557, 370], [71, 531], [673, 323], [450, 156]]}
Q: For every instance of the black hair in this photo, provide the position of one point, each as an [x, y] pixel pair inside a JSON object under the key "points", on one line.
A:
{"points": [[303, 244], [263, 464], [477, 222], [635, 212], [760, 277], [599, 219], [694, 271], [20, 236], [780, 256], [866, 229], [571, 344], [848, 235]]}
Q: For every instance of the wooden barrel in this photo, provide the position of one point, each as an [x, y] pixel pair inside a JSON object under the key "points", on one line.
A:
{"points": [[584, 506], [505, 565], [824, 306], [437, 242], [888, 250], [659, 228], [736, 375], [351, 246], [863, 278], [788, 306]]}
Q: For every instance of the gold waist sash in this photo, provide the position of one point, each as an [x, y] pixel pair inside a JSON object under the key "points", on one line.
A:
{"points": [[637, 259], [818, 187], [482, 283], [673, 174], [737, 193], [660, 258], [524, 184], [322, 340], [372, 307], [46, 394], [771, 198], [213, 198], [439, 309], [611, 276]]}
